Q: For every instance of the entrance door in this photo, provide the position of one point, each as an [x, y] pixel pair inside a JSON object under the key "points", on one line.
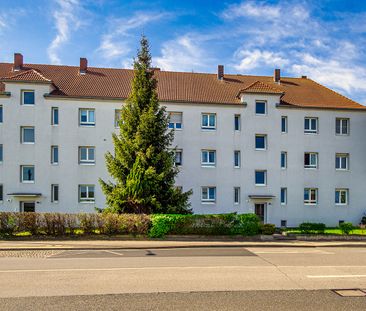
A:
{"points": [[28, 207], [260, 211]]}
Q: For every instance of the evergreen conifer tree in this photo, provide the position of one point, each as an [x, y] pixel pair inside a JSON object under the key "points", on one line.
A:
{"points": [[143, 162]]}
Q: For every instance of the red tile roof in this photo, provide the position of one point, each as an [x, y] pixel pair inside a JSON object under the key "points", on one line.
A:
{"points": [[27, 76], [180, 86], [261, 87]]}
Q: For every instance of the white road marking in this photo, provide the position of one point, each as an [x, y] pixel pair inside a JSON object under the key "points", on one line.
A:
{"points": [[336, 276], [293, 252], [115, 253]]}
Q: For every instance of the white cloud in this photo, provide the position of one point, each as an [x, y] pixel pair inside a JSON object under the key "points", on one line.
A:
{"points": [[251, 59], [115, 43], [66, 21], [252, 9], [182, 54]]}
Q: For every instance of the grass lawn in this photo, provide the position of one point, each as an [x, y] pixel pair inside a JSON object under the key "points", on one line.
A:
{"points": [[330, 231]]}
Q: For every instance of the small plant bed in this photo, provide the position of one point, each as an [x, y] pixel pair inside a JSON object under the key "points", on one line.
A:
{"points": [[320, 229]]}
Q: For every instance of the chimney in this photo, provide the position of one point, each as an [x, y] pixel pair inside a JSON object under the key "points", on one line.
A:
{"points": [[304, 77], [18, 61], [277, 75], [83, 65], [220, 72]]}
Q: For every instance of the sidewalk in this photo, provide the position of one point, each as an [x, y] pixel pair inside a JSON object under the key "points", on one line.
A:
{"points": [[155, 244]]}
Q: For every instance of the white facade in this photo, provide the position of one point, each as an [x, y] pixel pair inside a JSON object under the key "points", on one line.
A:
{"points": [[69, 173]]}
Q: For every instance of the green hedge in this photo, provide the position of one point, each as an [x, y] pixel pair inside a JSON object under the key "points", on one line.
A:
{"points": [[309, 227], [156, 226]]}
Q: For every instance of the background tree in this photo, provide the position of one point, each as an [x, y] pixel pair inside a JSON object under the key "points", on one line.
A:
{"points": [[143, 162]]}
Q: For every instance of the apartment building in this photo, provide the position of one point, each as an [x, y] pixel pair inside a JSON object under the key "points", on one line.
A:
{"points": [[288, 149]]}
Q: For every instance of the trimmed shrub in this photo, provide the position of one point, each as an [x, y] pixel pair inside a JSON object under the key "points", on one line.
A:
{"points": [[136, 224], [29, 222], [268, 229], [309, 227], [164, 224], [88, 222], [8, 223], [346, 227]]}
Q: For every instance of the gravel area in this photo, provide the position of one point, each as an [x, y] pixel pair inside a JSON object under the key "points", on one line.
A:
{"points": [[30, 254]]}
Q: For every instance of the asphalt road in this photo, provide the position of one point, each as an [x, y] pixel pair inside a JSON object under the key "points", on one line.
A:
{"points": [[184, 279]]}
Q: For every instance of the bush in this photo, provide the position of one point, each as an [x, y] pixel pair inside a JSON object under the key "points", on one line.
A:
{"points": [[363, 220], [29, 222], [88, 222], [8, 223], [346, 227], [309, 227], [268, 229], [163, 224]]}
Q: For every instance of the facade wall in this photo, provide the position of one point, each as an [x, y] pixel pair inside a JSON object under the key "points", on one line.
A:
{"points": [[68, 174]]}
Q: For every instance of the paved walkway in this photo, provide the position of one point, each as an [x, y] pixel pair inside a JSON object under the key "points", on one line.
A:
{"points": [[143, 244]]}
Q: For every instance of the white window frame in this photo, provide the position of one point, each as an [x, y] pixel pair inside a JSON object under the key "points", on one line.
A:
{"points": [[237, 117], [206, 198], [178, 151], [341, 156], [310, 130], [341, 120], [208, 126], [86, 161], [236, 195], [286, 124], [88, 198], [174, 125], [265, 107], [341, 190], [53, 148], [285, 196], [310, 201], [265, 142], [53, 191], [284, 153], [265, 178], [87, 122], [22, 180], [117, 117], [22, 98], [53, 110], [237, 156], [22, 128], [208, 163], [310, 165]]}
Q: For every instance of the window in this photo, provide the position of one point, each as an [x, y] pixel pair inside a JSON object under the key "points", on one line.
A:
{"points": [[311, 160], [27, 173], [283, 196], [208, 194], [260, 142], [54, 193], [237, 158], [208, 121], [208, 157], [237, 122], [86, 155], [283, 159], [54, 154], [27, 135], [175, 120], [28, 98], [260, 108], [311, 125], [341, 196], [1, 114], [1, 154], [86, 193], [117, 117], [283, 124], [260, 178], [342, 126], [178, 157], [54, 116], [310, 196], [283, 223], [87, 117], [1, 193], [341, 162], [236, 195]]}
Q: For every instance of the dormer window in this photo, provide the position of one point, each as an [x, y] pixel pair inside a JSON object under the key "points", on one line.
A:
{"points": [[28, 97]]}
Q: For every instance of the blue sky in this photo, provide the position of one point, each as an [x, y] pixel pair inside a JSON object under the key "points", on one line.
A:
{"points": [[324, 39]]}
